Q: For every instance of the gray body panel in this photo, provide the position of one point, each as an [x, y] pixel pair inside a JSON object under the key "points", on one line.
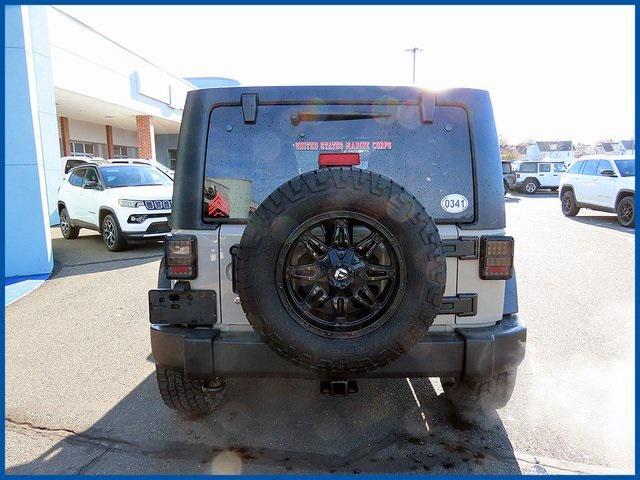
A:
{"points": [[215, 273]]}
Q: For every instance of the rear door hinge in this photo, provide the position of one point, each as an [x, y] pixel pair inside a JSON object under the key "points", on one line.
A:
{"points": [[234, 253], [462, 305], [464, 248], [249, 103]]}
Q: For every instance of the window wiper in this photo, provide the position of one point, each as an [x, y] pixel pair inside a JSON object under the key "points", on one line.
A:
{"points": [[300, 117]]}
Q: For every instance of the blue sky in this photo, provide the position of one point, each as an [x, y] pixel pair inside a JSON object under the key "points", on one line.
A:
{"points": [[554, 72]]}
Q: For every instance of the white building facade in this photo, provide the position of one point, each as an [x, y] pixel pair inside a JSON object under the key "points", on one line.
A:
{"points": [[70, 90]]}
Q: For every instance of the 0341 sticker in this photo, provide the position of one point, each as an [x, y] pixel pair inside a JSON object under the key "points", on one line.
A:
{"points": [[454, 203]]}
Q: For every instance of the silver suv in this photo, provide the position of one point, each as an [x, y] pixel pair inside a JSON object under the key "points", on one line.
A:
{"points": [[337, 233]]}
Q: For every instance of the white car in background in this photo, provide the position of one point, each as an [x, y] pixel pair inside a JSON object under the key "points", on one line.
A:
{"points": [[73, 161], [124, 202], [532, 176], [601, 182], [143, 161]]}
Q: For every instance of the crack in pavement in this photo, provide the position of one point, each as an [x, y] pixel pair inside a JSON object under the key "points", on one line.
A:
{"points": [[203, 453], [366, 455], [95, 459]]}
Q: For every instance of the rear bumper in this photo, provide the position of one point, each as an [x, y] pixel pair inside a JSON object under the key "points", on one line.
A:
{"points": [[205, 353]]}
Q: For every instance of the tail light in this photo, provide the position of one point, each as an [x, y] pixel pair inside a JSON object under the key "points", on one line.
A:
{"points": [[180, 257], [496, 257]]}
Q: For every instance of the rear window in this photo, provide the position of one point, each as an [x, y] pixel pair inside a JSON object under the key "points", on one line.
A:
{"points": [[72, 163], [627, 167], [506, 167], [246, 162]]}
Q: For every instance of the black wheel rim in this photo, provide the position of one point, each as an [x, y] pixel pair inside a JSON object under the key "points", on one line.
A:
{"points": [[567, 203], [626, 212], [341, 274], [64, 224], [109, 232]]}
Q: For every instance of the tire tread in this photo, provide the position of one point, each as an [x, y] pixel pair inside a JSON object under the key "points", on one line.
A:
{"points": [[314, 183], [181, 394]]}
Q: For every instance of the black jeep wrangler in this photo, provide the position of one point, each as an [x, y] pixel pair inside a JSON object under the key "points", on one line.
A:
{"points": [[337, 233]]}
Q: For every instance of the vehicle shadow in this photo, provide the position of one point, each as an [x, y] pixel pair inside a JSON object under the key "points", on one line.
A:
{"points": [[605, 221], [87, 254], [282, 426]]}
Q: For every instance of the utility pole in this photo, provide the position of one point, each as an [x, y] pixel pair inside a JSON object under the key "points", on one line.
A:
{"points": [[413, 51]]}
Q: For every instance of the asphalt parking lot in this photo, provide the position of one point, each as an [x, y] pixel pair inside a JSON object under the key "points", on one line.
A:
{"points": [[81, 394]]}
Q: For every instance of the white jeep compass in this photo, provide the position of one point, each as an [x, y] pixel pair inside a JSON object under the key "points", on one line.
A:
{"points": [[605, 183], [125, 203]]}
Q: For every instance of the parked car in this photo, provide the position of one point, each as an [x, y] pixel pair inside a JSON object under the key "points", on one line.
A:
{"points": [[306, 243], [143, 161], [532, 176], [604, 183], [508, 177], [125, 203], [69, 162]]}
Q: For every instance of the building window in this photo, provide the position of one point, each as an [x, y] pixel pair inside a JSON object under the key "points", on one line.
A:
{"points": [[82, 149], [173, 157], [120, 151], [88, 149]]}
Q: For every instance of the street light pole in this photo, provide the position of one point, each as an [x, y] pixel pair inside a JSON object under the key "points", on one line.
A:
{"points": [[413, 51]]}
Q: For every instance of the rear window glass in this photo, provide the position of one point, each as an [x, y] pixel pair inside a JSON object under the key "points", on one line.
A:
{"points": [[506, 167], [72, 163], [246, 162], [627, 167], [559, 167]]}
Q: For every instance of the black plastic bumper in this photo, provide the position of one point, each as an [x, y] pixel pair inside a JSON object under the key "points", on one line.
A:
{"points": [[205, 353]]}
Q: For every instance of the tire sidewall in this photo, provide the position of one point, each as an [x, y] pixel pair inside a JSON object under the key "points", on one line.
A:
{"points": [[119, 241], [64, 213], [425, 278], [629, 200], [530, 182], [572, 197]]}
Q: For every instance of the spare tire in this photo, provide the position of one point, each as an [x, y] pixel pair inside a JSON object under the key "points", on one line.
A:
{"points": [[341, 271]]}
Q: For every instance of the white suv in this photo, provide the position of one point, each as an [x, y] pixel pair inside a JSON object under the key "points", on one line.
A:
{"points": [[143, 161], [532, 176], [124, 202], [605, 183]]}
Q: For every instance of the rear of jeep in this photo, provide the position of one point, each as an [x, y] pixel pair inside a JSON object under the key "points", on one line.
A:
{"points": [[337, 233]]}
